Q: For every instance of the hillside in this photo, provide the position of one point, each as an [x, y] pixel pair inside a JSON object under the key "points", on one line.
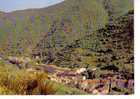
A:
{"points": [[109, 46], [67, 20]]}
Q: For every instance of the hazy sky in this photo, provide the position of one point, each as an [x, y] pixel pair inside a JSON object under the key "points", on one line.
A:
{"points": [[12, 5]]}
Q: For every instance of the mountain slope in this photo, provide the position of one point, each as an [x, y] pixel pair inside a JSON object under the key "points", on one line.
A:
{"points": [[110, 46], [67, 20]]}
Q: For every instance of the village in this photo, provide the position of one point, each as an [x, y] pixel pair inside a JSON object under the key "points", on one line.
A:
{"points": [[78, 79]]}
